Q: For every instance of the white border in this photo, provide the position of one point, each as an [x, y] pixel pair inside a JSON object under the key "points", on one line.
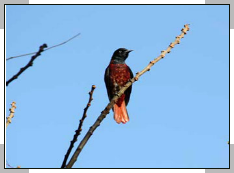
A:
{"points": [[2, 86], [231, 84], [117, 2], [117, 170]]}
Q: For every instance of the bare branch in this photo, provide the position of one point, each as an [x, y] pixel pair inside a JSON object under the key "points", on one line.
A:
{"points": [[11, 166], [30, 63], [115, 98], [78, 131], [45, 49], [12, 111]]}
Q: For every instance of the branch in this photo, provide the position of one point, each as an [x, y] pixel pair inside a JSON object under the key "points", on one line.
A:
{"points": [[122, 90], [30, 63], [78, 131], [11, 166], [45, 49], [12, 111]]}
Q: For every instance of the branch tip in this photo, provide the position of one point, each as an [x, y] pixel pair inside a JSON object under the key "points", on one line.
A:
{"points": [[79, 129], [187, 26]]}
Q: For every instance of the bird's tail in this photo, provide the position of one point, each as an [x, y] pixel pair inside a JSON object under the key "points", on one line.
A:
{"points": [[120, 113]]}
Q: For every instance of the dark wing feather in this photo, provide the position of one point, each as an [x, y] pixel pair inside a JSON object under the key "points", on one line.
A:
{"points": [[108, 82], [129, 90]]}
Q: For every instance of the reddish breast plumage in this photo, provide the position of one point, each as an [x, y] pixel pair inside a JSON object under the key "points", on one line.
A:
{"points": [[119, 76], [119, 73]]}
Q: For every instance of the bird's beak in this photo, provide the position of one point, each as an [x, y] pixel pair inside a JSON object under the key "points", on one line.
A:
{"points": [[129, 51]]}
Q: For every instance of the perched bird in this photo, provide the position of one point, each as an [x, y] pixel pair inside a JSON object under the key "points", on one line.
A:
{"points": [[117, 74]]}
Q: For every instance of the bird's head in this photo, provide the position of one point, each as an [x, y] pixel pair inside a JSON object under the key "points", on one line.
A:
{"points": [[120, 55]]}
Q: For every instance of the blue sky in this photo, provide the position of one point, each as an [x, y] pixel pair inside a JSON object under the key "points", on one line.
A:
{"points": [[179, 111]]}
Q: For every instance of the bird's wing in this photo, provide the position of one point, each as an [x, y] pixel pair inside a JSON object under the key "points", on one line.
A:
{"points": [[129, 90], [107, 82]]}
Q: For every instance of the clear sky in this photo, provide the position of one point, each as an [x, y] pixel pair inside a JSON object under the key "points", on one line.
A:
{"points": [[179, 111]]}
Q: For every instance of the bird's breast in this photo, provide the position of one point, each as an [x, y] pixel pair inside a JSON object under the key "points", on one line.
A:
{"points": [[119, 74]]}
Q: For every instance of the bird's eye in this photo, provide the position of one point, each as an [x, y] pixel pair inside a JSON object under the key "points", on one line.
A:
{"points": [[120, 51]]}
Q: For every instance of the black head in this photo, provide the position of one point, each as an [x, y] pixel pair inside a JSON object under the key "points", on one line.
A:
{"points": [[120, 55]]}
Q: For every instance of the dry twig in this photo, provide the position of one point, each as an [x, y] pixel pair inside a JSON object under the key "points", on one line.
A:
{"points": [[45, 49], [78, 131], [30, 63], [9, 164], [123, 89], [12, 111]]}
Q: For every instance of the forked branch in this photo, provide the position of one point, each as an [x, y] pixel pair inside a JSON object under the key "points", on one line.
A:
{"points": [[123, 89], [30, 63]]}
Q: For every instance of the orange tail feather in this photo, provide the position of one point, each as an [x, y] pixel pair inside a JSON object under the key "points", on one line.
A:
{"points": [[120, 113]]}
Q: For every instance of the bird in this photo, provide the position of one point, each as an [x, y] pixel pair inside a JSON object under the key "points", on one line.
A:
{"points": [[117, 74]]}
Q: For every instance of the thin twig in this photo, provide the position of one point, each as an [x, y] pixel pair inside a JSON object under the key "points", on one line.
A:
{"points": [[78, 131], [30, 63], [122, 90], [9, 164], [12, 111], [45, 49]]}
